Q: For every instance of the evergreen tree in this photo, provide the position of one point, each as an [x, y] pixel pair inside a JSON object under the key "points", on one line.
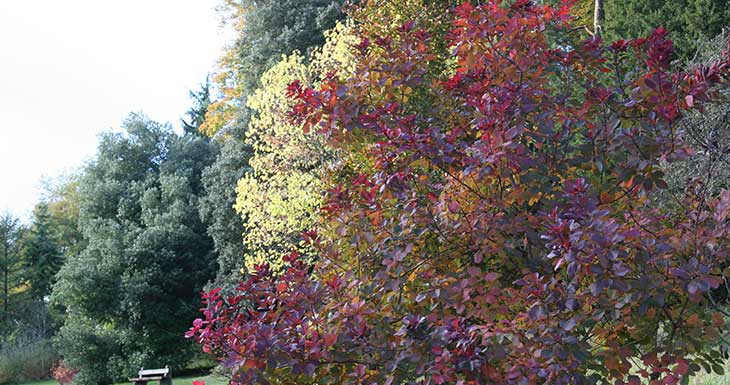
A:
{"points": [[224, 225], [42, 256], [131, 291], [689, 22], [11, 233], [196, 113]]}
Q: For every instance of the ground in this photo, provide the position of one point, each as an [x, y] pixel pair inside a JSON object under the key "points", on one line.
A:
{"points": [[209, 380], [702, 379]]}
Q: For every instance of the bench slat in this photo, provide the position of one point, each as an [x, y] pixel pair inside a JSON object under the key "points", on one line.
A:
{"points": [[146, 375], [149, 372]]}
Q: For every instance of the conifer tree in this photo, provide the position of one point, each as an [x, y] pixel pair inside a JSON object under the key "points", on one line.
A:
{"points": [[42, 256]]}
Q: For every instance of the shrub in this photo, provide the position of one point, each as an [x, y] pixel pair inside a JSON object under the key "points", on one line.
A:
{"points": [[63, 374], [38, 360], [25, 360], [9, 369], [503, 230]]}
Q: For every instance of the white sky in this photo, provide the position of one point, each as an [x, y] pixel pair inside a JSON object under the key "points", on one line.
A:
{"points": [[73, 68]]}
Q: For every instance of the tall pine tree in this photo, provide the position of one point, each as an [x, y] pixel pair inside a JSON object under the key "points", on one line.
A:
{"points": [[42, 255], [11, 233]]}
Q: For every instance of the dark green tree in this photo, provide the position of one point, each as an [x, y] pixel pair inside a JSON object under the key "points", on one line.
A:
{"points": [[224, 225], [689, 22], [42, 255], [215, 206], [196, 113], [11, 234], [132, 291], [271, 28]]}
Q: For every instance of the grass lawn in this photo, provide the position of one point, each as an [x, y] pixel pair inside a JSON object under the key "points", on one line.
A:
{"points": [[42, 382], [701, 379], [188, 380]]}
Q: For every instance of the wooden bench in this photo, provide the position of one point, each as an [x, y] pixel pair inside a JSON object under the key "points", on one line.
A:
{"points": [[162, 376]]}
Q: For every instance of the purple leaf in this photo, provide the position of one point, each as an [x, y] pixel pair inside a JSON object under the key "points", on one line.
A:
{"points": [[537, 312], [568, 325]]}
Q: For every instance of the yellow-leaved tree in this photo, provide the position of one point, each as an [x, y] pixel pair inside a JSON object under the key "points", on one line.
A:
{"points": [[281, 197]]}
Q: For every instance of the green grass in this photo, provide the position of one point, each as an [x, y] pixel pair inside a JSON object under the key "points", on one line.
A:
{"points": [[700, 379], [41, 382], [187, 380]]}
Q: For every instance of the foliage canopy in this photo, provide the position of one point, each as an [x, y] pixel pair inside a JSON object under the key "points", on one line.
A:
{"points": [[502, 226], [130, 292]]}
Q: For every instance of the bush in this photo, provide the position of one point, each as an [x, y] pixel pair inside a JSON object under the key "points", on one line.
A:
{"points": [[25, 360], [85, 346], [500, 225], [63, 374], [8, 369]]}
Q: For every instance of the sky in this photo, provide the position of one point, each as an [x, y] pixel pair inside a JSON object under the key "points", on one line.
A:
{"points": [[74, 68]]}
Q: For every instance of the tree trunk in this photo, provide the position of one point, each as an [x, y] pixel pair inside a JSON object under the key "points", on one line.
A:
{"points": [[6, 293], [599, 16], [5, 298]]}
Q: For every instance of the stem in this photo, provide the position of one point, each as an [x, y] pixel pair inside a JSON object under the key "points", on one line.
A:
{"points": [[599, 16]]}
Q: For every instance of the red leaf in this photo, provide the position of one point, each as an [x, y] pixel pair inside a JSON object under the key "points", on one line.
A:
{"points": [[329, 339], [682, 368], [281, 287]]}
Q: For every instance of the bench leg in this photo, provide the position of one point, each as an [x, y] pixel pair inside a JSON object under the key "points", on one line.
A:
{"points": [[166, 381], [141, 383]]}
